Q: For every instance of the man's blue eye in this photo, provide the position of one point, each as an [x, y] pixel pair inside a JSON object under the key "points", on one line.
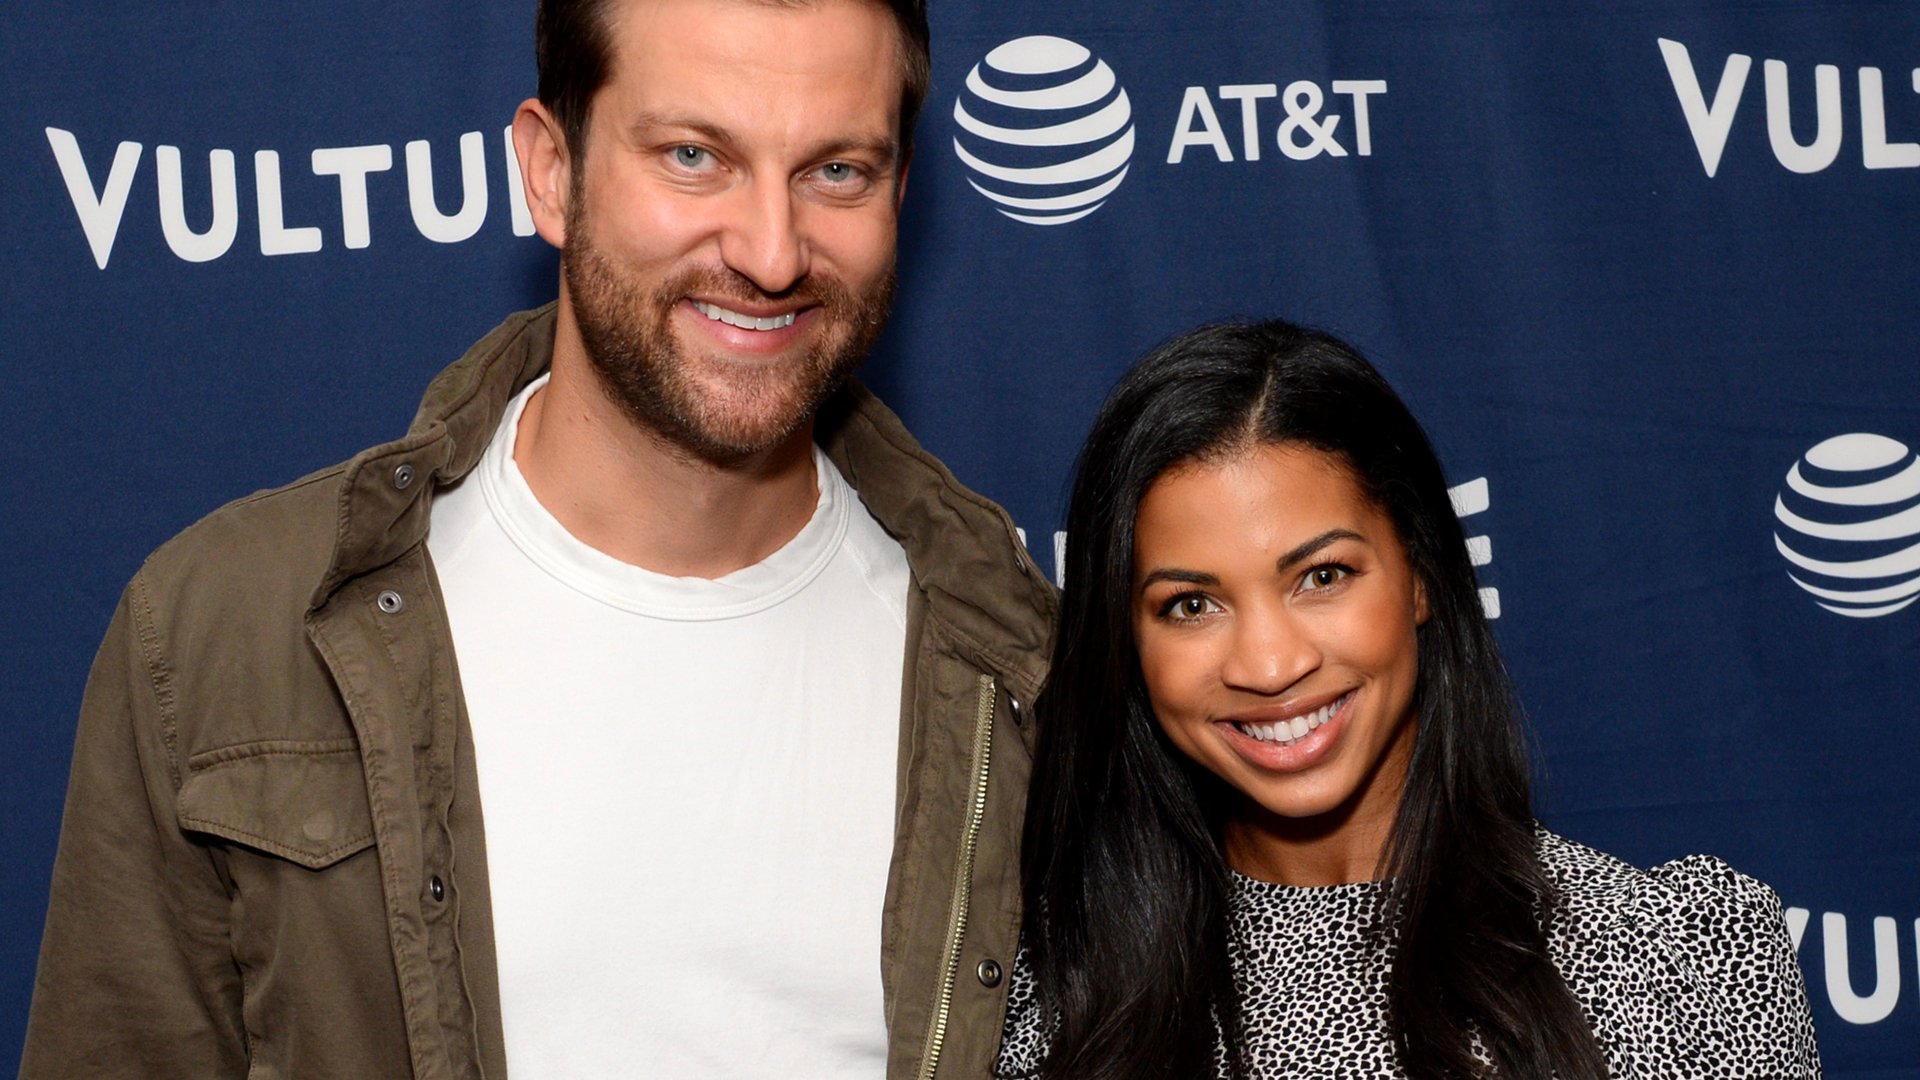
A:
{"points": [[690, 156]]}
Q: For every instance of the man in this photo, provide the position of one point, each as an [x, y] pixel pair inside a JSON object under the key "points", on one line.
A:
{"points": [[730, 667]]}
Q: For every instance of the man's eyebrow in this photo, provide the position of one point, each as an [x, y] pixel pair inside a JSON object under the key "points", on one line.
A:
{"points": [[884, 151], [645, 127], [645, 124]]}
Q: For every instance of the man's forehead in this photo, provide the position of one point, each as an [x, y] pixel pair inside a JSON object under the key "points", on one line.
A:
{"points": [[839, 61], [867, 34]]}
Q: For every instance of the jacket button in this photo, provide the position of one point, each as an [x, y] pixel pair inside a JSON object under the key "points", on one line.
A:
{"points": [[403, 477], [390, 602], [436, 888], [989, 973], [1013, 703]]}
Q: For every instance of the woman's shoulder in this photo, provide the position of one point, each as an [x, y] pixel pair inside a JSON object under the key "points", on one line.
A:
{"points": [[1696, 910], [1698, 895], [1686, 968]]}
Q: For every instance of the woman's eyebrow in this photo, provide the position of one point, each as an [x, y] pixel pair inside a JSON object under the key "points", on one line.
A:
{"points": [[1185, 577], [1309, 547], [1303, 550]]}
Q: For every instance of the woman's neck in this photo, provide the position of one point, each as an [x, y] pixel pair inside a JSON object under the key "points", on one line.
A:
{"points": [[1345, 844], [1292, 852]]}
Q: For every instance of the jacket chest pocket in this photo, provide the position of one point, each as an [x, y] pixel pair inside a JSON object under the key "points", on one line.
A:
{"points": [[306, 921], [304, 801]]}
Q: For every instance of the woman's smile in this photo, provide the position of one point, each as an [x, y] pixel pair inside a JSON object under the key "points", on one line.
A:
{"points": [[1286, 737]]}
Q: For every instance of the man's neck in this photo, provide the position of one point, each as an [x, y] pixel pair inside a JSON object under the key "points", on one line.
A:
{"points": [[623, 490]]}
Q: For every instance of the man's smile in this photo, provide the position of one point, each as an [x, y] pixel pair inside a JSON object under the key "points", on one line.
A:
{"points": [[743, 320]]}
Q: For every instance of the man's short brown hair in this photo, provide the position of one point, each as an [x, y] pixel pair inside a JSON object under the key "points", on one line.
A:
{"points": [[572, 46]]}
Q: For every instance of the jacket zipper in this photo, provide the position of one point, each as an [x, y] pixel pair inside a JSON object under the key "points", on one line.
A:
{"points": [[963, 877]]}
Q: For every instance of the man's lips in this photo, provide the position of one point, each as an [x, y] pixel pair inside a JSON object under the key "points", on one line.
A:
{"points": [[747, 330], [757, 317]]}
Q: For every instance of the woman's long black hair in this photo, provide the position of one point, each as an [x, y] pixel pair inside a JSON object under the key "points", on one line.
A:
{"points": [[1126, 887]]}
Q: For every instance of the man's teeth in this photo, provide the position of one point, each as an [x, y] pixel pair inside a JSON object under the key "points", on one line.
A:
{"points": [[745, 322], [1288, 732]]}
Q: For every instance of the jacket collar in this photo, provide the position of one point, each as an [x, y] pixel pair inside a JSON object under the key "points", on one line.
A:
{"points": [[385, 491], [979, 581]]}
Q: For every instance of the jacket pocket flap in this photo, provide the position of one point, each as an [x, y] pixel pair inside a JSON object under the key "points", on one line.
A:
{"points": [[301, 800]]}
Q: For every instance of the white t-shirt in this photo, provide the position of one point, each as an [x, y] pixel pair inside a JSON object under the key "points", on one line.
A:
{"points": [[688, 786]]}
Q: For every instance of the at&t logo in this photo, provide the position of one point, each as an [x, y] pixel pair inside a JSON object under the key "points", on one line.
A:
{"points": [[1048, 132], [1850, 524], [1051, 126]]}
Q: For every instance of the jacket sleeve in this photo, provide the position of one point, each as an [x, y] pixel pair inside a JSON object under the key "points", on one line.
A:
{"points": [[136, 978]]}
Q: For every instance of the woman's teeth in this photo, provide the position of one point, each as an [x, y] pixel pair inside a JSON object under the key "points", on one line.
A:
{"points": [[745, 322], [1288, 732]]}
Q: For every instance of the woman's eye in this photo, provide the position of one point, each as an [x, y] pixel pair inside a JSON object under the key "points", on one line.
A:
{"points": [[1188, 607], [1321, 577]]}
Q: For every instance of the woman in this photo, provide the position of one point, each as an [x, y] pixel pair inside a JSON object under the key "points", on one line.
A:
{"points": [[1280, 821]]}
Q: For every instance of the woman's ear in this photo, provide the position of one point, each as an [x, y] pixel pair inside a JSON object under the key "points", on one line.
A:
{"points": [[1420, 612]]}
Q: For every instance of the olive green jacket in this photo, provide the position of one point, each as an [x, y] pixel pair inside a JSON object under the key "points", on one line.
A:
{"points": [[272, 863]]}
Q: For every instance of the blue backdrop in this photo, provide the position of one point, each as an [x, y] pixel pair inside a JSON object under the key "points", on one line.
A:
{"points": [[1646, 271]]}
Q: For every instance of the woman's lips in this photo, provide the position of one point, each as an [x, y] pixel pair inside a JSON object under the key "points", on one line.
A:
{"points": [[1288, 741]]}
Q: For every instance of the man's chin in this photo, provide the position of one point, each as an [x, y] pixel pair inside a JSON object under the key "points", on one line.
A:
{"points": [[732, 423]]}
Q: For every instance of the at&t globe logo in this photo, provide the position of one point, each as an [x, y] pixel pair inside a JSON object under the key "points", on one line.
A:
{"points": [[1046, 129], [1850, 524]]}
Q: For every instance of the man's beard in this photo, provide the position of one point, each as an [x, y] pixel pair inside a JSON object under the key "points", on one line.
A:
{"points": [[629, 340]]}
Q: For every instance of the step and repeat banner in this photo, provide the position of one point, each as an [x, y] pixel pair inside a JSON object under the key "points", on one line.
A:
{"points": [[1650, 274]]}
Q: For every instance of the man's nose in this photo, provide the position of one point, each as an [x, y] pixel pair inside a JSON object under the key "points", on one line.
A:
{"points": [[1269, 651], [762, 241]]}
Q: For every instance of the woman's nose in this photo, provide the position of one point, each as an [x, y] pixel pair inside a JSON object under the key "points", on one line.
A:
{"points": [[1269, 650]]}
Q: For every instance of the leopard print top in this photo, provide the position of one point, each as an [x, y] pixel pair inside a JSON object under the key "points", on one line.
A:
{"points": [[1685, 971]]}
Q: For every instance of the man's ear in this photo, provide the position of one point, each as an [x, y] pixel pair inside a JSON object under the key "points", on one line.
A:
{"points": [[546, 169], [900, 183]]}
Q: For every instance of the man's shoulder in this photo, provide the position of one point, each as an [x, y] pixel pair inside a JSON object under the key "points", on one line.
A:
{"points": [[965, 554], [267, 550], [290, 535]]}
